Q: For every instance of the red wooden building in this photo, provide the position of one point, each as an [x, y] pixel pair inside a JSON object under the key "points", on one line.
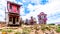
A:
{"points": [[13, 14]]}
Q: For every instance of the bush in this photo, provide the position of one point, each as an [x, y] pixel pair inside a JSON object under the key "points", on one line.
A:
{"points": [[0, 29], [9, 30], [36, 27], [47, 28], [43, 28], [17, 32], [26, 30], [58, 30], [51, 24], [58, 26], [3, 30]]}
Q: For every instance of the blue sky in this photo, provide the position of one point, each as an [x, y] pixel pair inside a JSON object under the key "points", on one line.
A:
{"points": [[33, 8]]}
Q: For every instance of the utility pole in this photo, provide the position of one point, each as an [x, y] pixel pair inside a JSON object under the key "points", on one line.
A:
{"points": [[5, 15]]}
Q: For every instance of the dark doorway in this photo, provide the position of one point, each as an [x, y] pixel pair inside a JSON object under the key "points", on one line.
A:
{"points": [[13, 20]]}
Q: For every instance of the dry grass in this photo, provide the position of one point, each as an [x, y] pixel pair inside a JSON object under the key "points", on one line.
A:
{"points": [[33, 28]]}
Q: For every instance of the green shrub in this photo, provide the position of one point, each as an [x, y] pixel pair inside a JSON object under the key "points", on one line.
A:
{"points": [[17, 32], [0, 29], [26, 30], [36, 27], [47, 28], [51, 24], [3, 30], [58, 26], [58, 30], [43, 29], [9, 30]]}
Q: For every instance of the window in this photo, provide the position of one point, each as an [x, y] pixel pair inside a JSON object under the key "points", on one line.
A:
{"points": [[10, 19], [17, 19], [17, 9], [10, 6], [42, 17]]}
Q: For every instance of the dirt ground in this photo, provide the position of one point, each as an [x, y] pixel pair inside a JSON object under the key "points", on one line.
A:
{"points": [[20, 29]]}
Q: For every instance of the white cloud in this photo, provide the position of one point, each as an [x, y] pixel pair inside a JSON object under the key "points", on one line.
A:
{"points": [[53, 21], [2, 17], [35, 1], [11, 0], [2, 9], [20, 3], [22, 11], [50, 8], [30, 7]]}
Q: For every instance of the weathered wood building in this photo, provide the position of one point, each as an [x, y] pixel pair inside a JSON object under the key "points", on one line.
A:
{"points": [[13, 13], [42, 18]]}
